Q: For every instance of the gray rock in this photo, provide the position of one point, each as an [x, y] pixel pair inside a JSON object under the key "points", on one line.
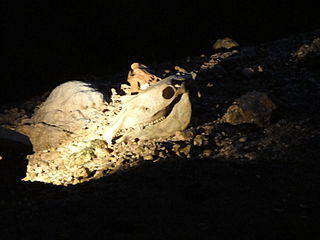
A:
{"points": [[7, 134], [253, 107], [248, 72], [14, 147], [70, 108]]}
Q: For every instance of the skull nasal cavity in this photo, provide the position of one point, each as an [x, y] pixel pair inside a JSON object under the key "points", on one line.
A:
{"points": [[168, 92]]}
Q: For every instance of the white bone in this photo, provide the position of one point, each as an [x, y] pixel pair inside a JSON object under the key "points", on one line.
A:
{"points": [[149, 115]]}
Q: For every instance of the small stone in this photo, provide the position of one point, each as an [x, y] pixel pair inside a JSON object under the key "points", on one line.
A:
{"points": [[198, 140], [226, 43], [81, 173], [185, 150], [162, 154], [242, 139], [175, 148], [250, 156], [185, 135], [207, 128], [98, 174], [148, 157], [248, 72], [207, 153], [260, 69]]}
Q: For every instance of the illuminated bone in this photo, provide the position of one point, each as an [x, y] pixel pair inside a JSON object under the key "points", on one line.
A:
{"points": [[140, 77], [159, 111]]}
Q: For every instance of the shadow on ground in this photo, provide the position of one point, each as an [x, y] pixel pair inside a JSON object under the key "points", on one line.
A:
{"points": [[175, 199]]}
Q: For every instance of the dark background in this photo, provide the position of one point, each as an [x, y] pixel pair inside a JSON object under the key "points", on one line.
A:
{"points": [[44, 42]]}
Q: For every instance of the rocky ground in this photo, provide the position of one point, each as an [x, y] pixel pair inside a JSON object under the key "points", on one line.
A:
{"points": [[246, 168]]}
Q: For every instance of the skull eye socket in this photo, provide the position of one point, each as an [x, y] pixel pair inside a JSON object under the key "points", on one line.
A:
{"points": [[168, 92]]}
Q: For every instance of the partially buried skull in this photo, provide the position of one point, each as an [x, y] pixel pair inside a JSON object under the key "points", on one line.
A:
{"points": [[159, 111]]}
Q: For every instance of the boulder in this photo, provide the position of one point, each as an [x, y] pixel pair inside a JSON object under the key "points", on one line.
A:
{"points": [[70, 109], [253, 107], [14, 147]]}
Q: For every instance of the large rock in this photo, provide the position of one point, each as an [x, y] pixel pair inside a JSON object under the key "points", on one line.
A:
{"points": [[14, 147], [70, 109], [253, 107], [69, 105]]}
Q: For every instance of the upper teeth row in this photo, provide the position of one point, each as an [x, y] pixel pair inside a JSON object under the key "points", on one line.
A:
{"points": [[152, 123], [142, 125]]}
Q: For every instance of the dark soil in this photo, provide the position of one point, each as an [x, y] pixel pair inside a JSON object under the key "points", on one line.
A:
{"points": [[265, 186]]}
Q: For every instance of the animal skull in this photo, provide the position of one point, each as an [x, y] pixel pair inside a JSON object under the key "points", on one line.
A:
{"points": [[159, 111]]}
